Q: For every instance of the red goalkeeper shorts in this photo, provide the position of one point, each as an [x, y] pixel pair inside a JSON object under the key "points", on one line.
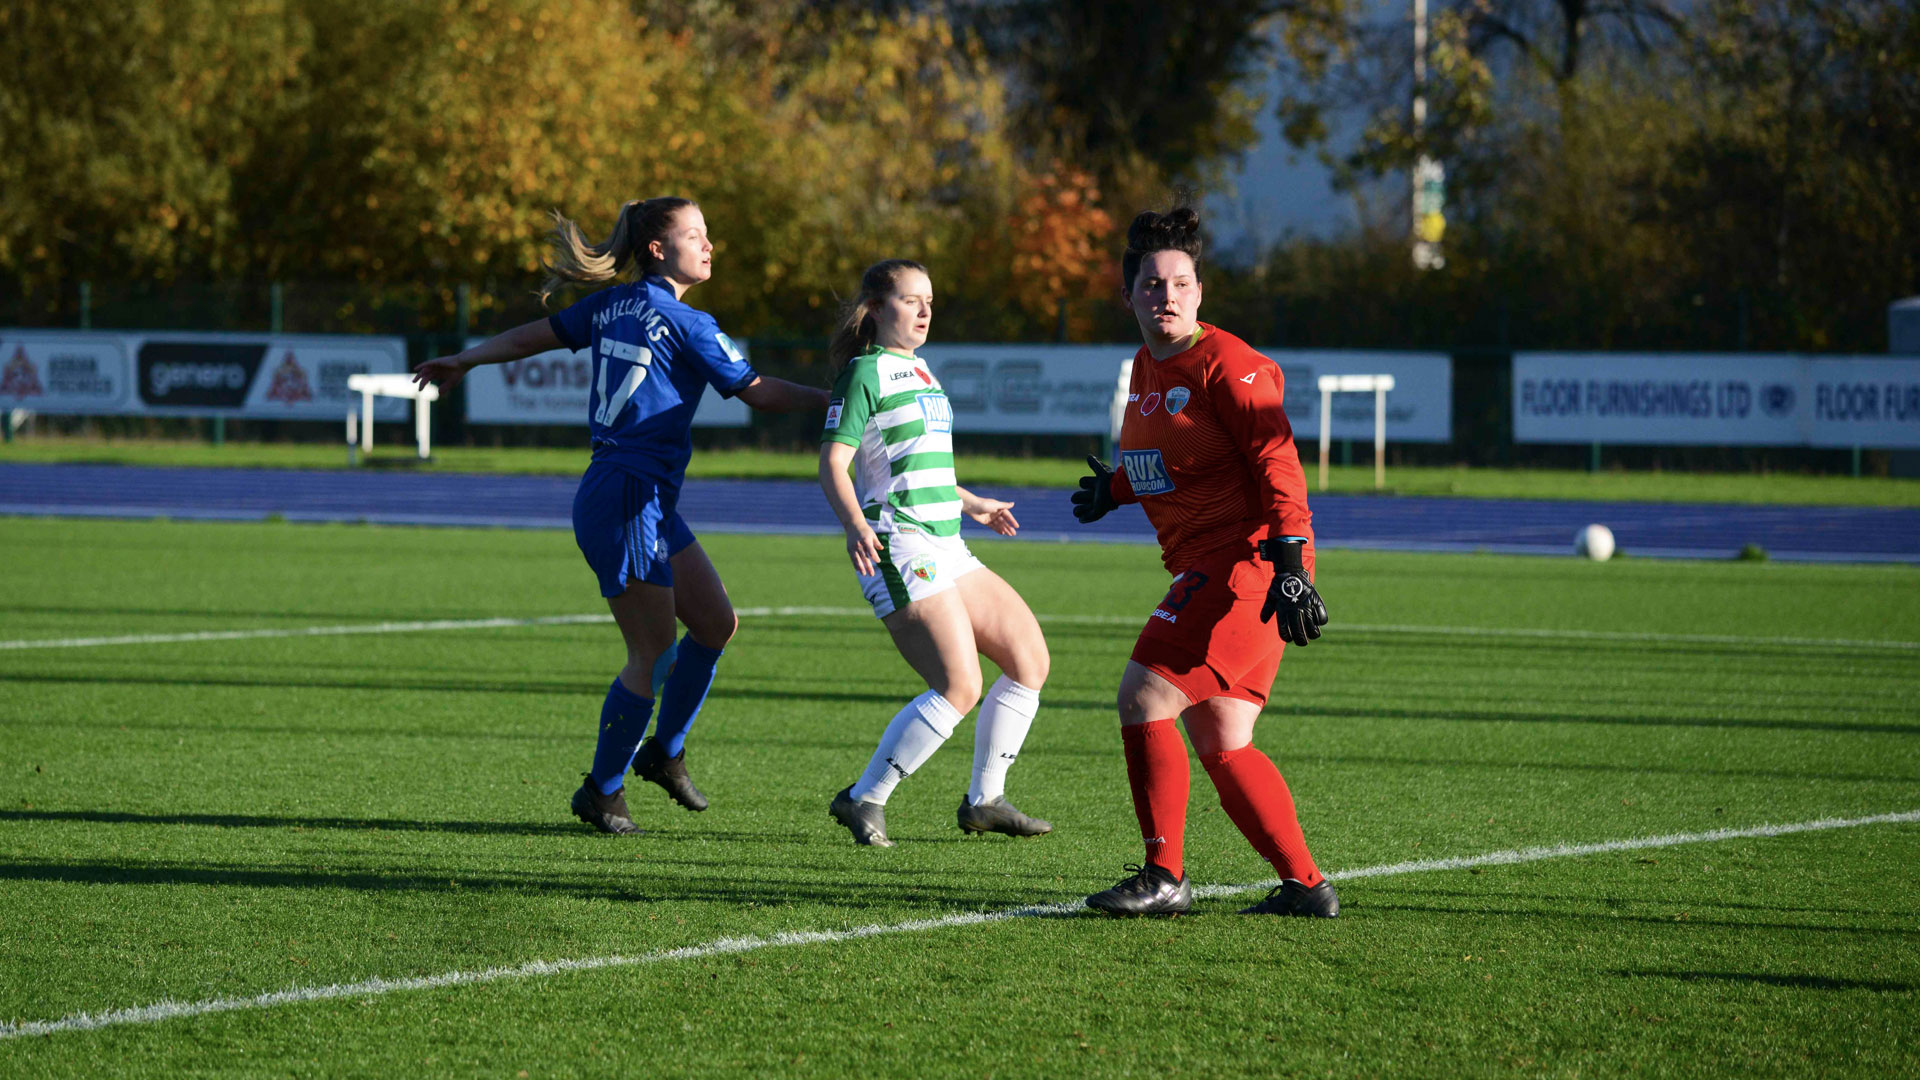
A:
{"points": [[1206, 637]]}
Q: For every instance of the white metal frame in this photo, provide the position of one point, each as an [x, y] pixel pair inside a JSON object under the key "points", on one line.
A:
{"points": [[360, 424], [1378, 385]]}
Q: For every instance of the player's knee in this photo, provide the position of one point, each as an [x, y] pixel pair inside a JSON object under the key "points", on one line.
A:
{"points": [[1032, 666], [962, 691], [716, 629]]}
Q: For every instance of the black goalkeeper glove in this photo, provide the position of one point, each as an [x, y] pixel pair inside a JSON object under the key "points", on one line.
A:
{"points": [[1292, 596], [1095, 496]]}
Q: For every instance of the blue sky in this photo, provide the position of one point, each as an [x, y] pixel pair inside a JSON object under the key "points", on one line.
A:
{"points": [[1275, 191]]}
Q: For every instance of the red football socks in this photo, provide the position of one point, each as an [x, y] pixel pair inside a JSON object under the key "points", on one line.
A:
{"points": [[1157, 769], [1256, 798]]}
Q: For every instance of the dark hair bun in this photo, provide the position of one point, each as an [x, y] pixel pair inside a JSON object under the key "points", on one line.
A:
{"points": [[1176, 230]]}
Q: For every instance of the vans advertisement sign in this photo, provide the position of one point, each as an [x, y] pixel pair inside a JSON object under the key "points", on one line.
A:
{"points": [[554, 387]]}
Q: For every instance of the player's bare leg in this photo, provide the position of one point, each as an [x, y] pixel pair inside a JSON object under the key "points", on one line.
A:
{"points": [[935, 638], [644, 614], [1005, 630], [1255, 796], [1158, 772], [700, 599]]}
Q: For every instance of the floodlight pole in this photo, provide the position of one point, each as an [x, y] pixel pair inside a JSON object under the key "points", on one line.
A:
{"points": [[1419, 120]]}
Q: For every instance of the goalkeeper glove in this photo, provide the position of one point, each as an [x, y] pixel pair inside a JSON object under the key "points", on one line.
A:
{"points": [[1291, 596], [1095, 496]]}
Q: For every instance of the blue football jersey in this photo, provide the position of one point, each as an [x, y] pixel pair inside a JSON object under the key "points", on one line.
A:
{"points": [[653, 357]]}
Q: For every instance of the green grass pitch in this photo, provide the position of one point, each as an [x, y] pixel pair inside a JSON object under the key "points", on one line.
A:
{"points": [[230, 817]]}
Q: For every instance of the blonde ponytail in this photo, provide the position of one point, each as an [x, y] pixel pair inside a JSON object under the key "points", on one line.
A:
{"points": [[576, 262]]}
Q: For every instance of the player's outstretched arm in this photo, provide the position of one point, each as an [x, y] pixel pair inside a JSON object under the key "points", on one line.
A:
{"points": [[516, 344], [863, 547], [992, 513], [778, 395]]}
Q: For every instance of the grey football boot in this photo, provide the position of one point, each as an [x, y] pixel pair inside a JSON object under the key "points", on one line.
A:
{"points": [[1151, 890], [999, 815], [654, 766], [608, 813], [1290, 897], [865, 820]]}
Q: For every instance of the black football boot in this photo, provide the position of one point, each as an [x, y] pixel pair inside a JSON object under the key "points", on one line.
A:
{"points": [[999, 815], [608, 813], [1151, 890], [654, 766], [1292, 898], [865, 820]]}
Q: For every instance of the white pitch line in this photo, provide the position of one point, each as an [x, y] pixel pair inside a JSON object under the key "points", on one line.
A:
{"points": [[851, 612], [174, 1010]]}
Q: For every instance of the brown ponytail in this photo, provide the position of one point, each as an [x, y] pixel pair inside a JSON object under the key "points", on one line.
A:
{"points": [[576, 262], [853, 332]]}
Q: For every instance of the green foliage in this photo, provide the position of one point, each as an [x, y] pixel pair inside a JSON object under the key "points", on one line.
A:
{"points": [[424, 140], [1748, 177], [127, 131]]}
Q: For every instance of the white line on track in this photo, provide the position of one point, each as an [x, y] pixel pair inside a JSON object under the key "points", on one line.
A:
{"points": [[173, 1010], [436, 625]]}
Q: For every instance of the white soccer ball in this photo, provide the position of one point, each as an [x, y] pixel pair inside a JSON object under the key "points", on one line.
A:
{"points": [[1595, 542]]}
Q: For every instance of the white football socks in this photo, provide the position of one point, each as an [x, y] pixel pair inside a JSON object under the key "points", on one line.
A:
{"points": [[1006, 713], [910, 739]]}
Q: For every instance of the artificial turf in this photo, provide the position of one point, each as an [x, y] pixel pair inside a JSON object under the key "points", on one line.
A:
{"points": [[219, 818]]}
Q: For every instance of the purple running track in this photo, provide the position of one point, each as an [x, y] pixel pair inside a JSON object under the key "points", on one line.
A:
{"points": [[1517, 526]]}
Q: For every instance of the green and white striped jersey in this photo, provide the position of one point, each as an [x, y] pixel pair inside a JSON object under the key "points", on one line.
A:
{"points": [[889, 406]]}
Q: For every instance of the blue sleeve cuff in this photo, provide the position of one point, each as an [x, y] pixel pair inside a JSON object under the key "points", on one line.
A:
{"points": [[739, 384], [560, 332]]}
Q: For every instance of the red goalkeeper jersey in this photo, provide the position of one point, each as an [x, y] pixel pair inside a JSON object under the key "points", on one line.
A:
{"points": [[1207, 451]]}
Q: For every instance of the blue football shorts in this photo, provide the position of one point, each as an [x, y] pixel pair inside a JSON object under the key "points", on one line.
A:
{"points": [[627, 527]]}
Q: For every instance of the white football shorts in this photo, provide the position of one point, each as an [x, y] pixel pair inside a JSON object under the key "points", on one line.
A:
{"points": [[914, 566]]}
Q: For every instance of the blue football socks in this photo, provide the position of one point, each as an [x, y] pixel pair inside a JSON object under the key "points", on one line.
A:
{"points": [[685, 692], [623, 721]]}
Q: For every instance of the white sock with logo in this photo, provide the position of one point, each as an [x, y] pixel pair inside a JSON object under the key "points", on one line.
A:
{"points": [[910, 739], [1006, 713]]}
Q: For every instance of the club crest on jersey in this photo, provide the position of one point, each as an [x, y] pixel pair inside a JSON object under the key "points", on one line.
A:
{"points": [[1146, 472], [924, 567], [1177, 400], [1151, 403]]}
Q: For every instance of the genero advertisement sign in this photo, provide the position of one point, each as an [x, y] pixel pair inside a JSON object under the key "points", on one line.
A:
{"points": [[258, 377], [553, 388], [1069, 389], [1714, 399]]}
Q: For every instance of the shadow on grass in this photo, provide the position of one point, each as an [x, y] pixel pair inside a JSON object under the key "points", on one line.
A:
{"points": [[1597, 918], [842, 890], [1652, 900], [277, 615], [1796, 982], [468, 828], [1523, 717], [595, 689], [1595, 767]]}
